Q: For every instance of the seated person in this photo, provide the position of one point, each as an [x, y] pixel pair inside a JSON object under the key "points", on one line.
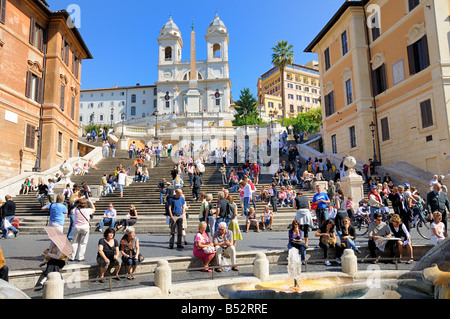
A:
{"points": [[399, 230], [295, 239], [379, 231], [108, 217], [267, 218], [251, 219], [77, 169], [327, 236], [223, 242], [129, 247], [108, 253]]}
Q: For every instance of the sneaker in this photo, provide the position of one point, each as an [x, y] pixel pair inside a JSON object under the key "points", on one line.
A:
{"points": [[180, 246], [16, 233], [338, 261], [327, 263]]}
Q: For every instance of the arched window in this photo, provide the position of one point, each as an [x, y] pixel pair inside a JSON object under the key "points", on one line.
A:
{"points": [[101, 117], [133, 110], [168, 53], [133, 98], [81, 118], [216, 50]]}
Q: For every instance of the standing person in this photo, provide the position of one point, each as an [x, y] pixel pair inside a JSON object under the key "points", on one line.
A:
{"points": [[106, 148], [42, 191], [81, 231], [223, 173], [121, 178], [158, 155], [437, 201], [247, 194], [223, 243], [207, 212], [196, 185], [129, 247], [113, 149], [8, 211], [322, 200], [273, 197], [162, 190], [57, 212], [108, 254], [51, 192], [177, 210], [169, 150], [222, 210], [234, 225], [303, 214]]}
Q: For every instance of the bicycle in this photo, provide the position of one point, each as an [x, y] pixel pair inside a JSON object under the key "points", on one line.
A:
{"points": [[419, 222], [361, 222]]}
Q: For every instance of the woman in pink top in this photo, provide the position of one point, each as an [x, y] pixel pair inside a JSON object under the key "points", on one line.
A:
{"points": [[201, 241], [81, 230]]}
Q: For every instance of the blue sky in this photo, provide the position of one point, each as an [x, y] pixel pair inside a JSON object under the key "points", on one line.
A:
{"points": [[121, 35]]}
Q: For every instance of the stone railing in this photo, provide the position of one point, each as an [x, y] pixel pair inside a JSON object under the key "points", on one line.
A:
{"points": [[13, 185]]}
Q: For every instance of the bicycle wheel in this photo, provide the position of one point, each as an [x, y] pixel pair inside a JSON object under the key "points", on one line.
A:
{"points": [[423, 229], [361, 225]]}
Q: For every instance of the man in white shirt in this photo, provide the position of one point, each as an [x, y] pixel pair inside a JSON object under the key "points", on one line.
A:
{"points": [[247, 195], [108, 217]]}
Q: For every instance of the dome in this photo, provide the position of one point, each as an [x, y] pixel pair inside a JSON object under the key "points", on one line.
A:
{"points": [[169, 26], [216, 23]]}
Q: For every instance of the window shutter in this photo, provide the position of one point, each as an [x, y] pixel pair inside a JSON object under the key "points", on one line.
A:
{"points": [[426, 55], [32, 31], [63, 48], [426, 113], [28, 85], [383, 77], [385, 129], [3, 11], [72, 109], [40, 94], [67, 51], [411, 61], [375, 86], [63, 93]]}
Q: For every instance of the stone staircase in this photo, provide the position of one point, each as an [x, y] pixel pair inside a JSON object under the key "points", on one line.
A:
{"points": [[145, 197]]}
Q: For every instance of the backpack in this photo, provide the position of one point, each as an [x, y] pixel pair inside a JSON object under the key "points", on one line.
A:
{"points": [[230, 212]]}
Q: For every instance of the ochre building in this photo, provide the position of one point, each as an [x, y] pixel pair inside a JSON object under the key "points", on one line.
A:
{"points": [[387, 62], [40, 69]]}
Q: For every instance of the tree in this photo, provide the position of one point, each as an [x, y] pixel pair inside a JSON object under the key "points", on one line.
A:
{"points": [[282, 56], [309, 121], [247, 102]]}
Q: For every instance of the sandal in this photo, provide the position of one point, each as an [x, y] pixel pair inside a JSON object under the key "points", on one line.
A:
{"points": [[410, 261]]}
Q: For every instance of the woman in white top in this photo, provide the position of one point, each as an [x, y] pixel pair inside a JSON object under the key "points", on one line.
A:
{"points": [[81, 230], [438, 233]]}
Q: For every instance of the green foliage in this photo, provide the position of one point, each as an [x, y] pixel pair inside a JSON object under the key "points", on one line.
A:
{"points": [[282, 54], [309, 121], [247, 102], [96, 128]]}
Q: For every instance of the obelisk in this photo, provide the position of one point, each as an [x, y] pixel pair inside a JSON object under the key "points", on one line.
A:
{"points": [[193, 95]]}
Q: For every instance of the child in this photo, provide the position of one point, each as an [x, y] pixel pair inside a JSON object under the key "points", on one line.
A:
{"points": [[349, 207], [251, 220]]}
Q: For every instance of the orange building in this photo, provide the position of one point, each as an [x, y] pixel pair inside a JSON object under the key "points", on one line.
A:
{"points": [[386, 62], [40, 69]]}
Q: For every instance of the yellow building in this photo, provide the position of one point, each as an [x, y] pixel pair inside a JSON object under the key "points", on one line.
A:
{"points": [[302, 90], [387, 62]]}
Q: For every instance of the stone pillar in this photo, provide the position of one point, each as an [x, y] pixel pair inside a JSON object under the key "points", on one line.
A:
{"points": [[352, 183], [261, 266], [53, 287], [163, 276], [349, 262]]}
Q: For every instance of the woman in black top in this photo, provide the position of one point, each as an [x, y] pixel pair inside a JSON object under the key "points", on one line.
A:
{"points": [[132, 219], [348, 235], [327, 236], [108, 253]]}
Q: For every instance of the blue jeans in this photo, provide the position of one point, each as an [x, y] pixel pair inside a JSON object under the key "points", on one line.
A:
{"points": [[108, 189], [12, 228], [158, 159], [107, 220], [162, 192], [322, 216], [233, 189], [246, 205], [71, 227], [218, 221]]}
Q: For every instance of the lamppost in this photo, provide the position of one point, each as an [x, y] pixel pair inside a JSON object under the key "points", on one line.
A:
{"points": [[37, 165], [122, 117], [112, 116], [372, 129], [246, 133], [156, 126]]}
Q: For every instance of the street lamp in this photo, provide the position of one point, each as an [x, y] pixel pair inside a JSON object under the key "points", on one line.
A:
{"points": [[122, 117], [156, 126], [372, 129], [37, 165], [112, 116], [246, 133]]}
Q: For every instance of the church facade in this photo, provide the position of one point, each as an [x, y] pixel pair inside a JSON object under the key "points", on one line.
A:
{"points": [[196, 87]]}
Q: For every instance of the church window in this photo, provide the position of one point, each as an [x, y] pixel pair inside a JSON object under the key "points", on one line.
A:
{"points": [[133, 110], [168, 53], [216, 50]]}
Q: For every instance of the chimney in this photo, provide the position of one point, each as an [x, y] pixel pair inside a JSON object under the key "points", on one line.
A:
{"points": [[138, 84]]}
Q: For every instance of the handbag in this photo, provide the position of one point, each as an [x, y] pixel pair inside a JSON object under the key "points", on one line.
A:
{"points": [[6, 224], [209, 249]]}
